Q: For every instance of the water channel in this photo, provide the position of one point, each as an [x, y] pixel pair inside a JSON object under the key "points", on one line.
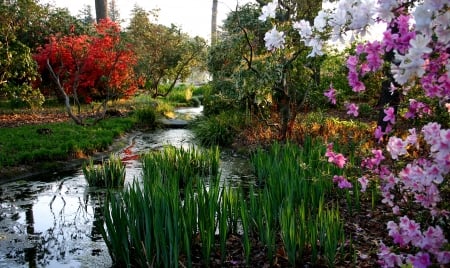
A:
{"points": [[52, 221]]}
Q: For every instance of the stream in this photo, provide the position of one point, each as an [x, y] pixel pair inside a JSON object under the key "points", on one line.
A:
{"points": [[53, 221]]}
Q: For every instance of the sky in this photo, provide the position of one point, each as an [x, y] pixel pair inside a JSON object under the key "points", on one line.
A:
{"points": [[193, 16]]}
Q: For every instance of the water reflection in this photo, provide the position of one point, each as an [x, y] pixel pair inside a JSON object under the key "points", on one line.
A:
{"points": [[55, 222], [51, 224]]}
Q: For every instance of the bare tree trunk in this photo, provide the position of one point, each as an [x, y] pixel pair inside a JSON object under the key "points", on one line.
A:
{"points": [[55, 77], [214, 22], [101, 9]]}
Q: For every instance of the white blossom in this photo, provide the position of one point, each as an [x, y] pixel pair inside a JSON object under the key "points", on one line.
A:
{"points": [[385, 7], [304, 28], [274, 39], [422, 17], [320, 21], [268, 11], [316, 45], [442, 24]]}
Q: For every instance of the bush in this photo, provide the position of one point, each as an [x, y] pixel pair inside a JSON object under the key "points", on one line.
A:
{"points": [[195, 102], [181, 94], [146, 116], [218, 129], [202, 90]]}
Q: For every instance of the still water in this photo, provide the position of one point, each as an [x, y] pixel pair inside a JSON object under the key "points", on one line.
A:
{"points": [[54, 221]]}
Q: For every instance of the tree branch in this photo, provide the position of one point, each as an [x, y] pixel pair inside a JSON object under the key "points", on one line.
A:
{"points": [[55, 77]]}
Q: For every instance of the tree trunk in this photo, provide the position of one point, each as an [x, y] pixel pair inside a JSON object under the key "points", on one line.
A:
{"points": [[101, 9], [214, 22]]}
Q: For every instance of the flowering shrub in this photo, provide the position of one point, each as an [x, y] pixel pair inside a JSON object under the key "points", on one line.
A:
{"points": [[413, 54]]}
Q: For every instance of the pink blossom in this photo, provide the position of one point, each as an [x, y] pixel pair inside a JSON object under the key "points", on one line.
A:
{"points": [[396, 147], [342, 182], [431, 133], [378, 133], [412, 138], [443, 257], [396, 210], [337, 159], [352, 61], [378, 156], [390, 115], [352, 109], [433, 239], [364, 182], [331, 94], [387, 258], [417, 109], [420, 260]]}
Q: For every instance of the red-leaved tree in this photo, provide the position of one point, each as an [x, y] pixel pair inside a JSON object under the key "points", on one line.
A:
{"points": [[89, 68]]}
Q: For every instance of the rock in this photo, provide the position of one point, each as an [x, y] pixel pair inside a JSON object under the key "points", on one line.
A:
{"points": [[173, 123]]}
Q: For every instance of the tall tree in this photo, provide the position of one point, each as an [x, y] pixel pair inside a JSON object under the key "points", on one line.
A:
{"points": [[101, 9], [259, 78], [17, 67], [214, 22], [85, 15], [165, 54], [113, 11]]}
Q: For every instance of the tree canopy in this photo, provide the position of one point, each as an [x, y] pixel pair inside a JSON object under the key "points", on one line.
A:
{"points": [[89, 68], [165, 54]]}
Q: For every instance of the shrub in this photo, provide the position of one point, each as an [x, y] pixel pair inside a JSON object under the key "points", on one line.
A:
{"points": [[195, 102], [146, 116], [218, 129]]}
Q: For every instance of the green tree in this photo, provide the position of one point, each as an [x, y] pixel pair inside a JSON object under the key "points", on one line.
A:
{"points": [[85, 15], [113, 11], [17, 67], [281, 80], [166, 55]]}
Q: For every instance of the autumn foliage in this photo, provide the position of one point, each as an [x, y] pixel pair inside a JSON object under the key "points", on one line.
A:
{"points": [[89, 68]]}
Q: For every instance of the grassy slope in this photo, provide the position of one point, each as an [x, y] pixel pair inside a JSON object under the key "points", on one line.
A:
{"points": [[25, 145]]}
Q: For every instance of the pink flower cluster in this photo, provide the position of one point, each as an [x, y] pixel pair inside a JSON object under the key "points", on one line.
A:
{"points": [[436, 80], [352, 109], [342, 182], [331, 94], [417, 109], [408, 232], [337, 159]]}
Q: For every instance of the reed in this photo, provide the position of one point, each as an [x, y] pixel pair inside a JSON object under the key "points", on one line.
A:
{"points": [[289, 231], [208, 204], [296, 181], [222, 221], [245, 228], [155, 220], [108, 174], [184, 164]]}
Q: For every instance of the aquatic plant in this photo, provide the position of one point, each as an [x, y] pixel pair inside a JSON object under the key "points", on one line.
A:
{"points": [[109, 174]]}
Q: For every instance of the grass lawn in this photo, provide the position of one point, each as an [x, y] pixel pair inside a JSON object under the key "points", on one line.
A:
{"points": [[31, 144]]}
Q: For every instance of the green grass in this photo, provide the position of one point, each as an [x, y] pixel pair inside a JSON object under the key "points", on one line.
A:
{"points": [[25, 145]]}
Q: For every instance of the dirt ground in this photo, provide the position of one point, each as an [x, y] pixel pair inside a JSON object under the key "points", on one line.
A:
{"points": [[20, 119]]}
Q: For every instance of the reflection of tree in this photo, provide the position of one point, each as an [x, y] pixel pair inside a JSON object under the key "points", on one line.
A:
{"points": [[97, 223], [30, 253], [69, 227]]}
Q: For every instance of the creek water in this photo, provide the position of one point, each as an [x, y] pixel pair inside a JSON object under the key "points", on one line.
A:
{"points": [[53, 221]]}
